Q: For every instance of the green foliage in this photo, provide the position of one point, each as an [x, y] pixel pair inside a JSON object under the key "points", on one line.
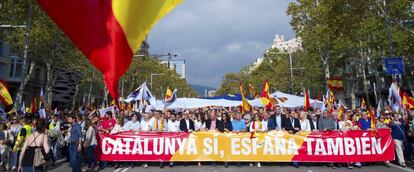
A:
{"points": [[276, 69]]}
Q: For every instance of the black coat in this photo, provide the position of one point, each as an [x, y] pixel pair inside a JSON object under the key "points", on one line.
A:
{"points": [[288, 124], [183, 125], [312, 126], [225, 125], [219, 125], [272, 124]]}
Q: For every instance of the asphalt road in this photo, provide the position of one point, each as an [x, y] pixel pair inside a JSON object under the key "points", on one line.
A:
{"points": [[64, 167]]}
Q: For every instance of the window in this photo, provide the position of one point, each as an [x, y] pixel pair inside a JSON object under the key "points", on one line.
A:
{"points": [[16, 68]]}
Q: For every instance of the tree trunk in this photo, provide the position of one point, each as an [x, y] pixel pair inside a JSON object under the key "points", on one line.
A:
{"points": [[19, 96], [75, 97], [90, 87], [51, 79]]}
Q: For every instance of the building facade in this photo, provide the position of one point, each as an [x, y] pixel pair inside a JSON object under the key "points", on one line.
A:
{"points": [[178, 65]]}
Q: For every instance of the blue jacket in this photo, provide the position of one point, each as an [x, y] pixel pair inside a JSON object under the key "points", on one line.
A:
{"points": [[271, 124], [397, 131]]}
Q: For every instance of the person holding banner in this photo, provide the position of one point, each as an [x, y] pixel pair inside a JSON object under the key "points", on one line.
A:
{"points": [[173, 124], [146, 123], [133, 124], [256, 126], [186, 124], [238, 124], [292, 124], [304, 122], [107, 123], [226, 123], [213, 124]]}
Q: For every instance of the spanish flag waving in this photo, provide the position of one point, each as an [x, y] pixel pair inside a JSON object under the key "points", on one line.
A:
{"points": [[5, 97], [108, 32], [306, 105], [265, 96], [245, 106]]}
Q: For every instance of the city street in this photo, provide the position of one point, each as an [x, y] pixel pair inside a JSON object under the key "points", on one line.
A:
{"points": [[63, 167]]}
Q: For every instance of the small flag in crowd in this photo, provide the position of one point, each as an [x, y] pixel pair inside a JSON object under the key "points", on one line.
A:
{"points": [[42, 108], [5, 97], [23, 109], [408, 102], [170, 97], [363, 104], [378, 108], [265, 96], [245, 106], [394, 94], [306, 105], [253, 92], [33, 106]]}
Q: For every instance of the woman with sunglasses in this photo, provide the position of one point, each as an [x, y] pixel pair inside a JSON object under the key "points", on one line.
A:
{"points": [[14, 128]]}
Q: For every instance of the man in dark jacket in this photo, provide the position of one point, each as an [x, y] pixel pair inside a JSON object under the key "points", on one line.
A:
{"points": [[213, 124], [313, 121], [276, 120], [186, 124], [292, 124]]}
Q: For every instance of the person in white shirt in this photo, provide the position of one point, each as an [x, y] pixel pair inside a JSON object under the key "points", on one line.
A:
{"points": [[132, 125], [173, 125], [265, 120], [146, 123], [304, 122], [118, 126], [159, 123], [199, 123]]}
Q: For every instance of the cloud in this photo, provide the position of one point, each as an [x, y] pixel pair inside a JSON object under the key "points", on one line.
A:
{"points": [[219, 36]]}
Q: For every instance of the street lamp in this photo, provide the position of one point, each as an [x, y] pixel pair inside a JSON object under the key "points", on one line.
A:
{"points": [[169, 55], [291, 69], [155, 74]]}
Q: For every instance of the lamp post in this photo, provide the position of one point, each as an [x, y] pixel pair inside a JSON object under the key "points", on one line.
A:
{"points": [[291, 69], [155, 74], [169, 55]]}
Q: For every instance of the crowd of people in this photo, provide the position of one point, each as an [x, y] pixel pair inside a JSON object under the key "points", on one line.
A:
{"points": [[71, 136]]}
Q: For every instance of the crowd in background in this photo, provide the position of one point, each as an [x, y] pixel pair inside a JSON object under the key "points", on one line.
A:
{"points": [[71, 136]]}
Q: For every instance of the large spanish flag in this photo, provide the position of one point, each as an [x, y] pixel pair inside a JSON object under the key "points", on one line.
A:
{"points": [[265, 96], [5, 97], [108, 32]]}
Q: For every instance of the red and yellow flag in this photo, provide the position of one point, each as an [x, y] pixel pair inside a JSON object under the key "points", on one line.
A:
{"points": [[108, 32], [408, 102], [363, 104], [265, 96], [372, 115], [245, 106], [253, 91], [33, 106], [5, 97], [168, 94], [306, 105]]}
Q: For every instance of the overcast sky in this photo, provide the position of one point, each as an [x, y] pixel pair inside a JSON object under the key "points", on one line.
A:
{"points": [[216, 37]]}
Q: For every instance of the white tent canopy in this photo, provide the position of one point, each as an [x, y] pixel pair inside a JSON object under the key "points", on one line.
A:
{"points": [[293, 101], [192, 103]]}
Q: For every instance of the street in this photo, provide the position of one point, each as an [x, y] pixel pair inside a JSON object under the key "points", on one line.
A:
{"points": [[63, 167]]}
